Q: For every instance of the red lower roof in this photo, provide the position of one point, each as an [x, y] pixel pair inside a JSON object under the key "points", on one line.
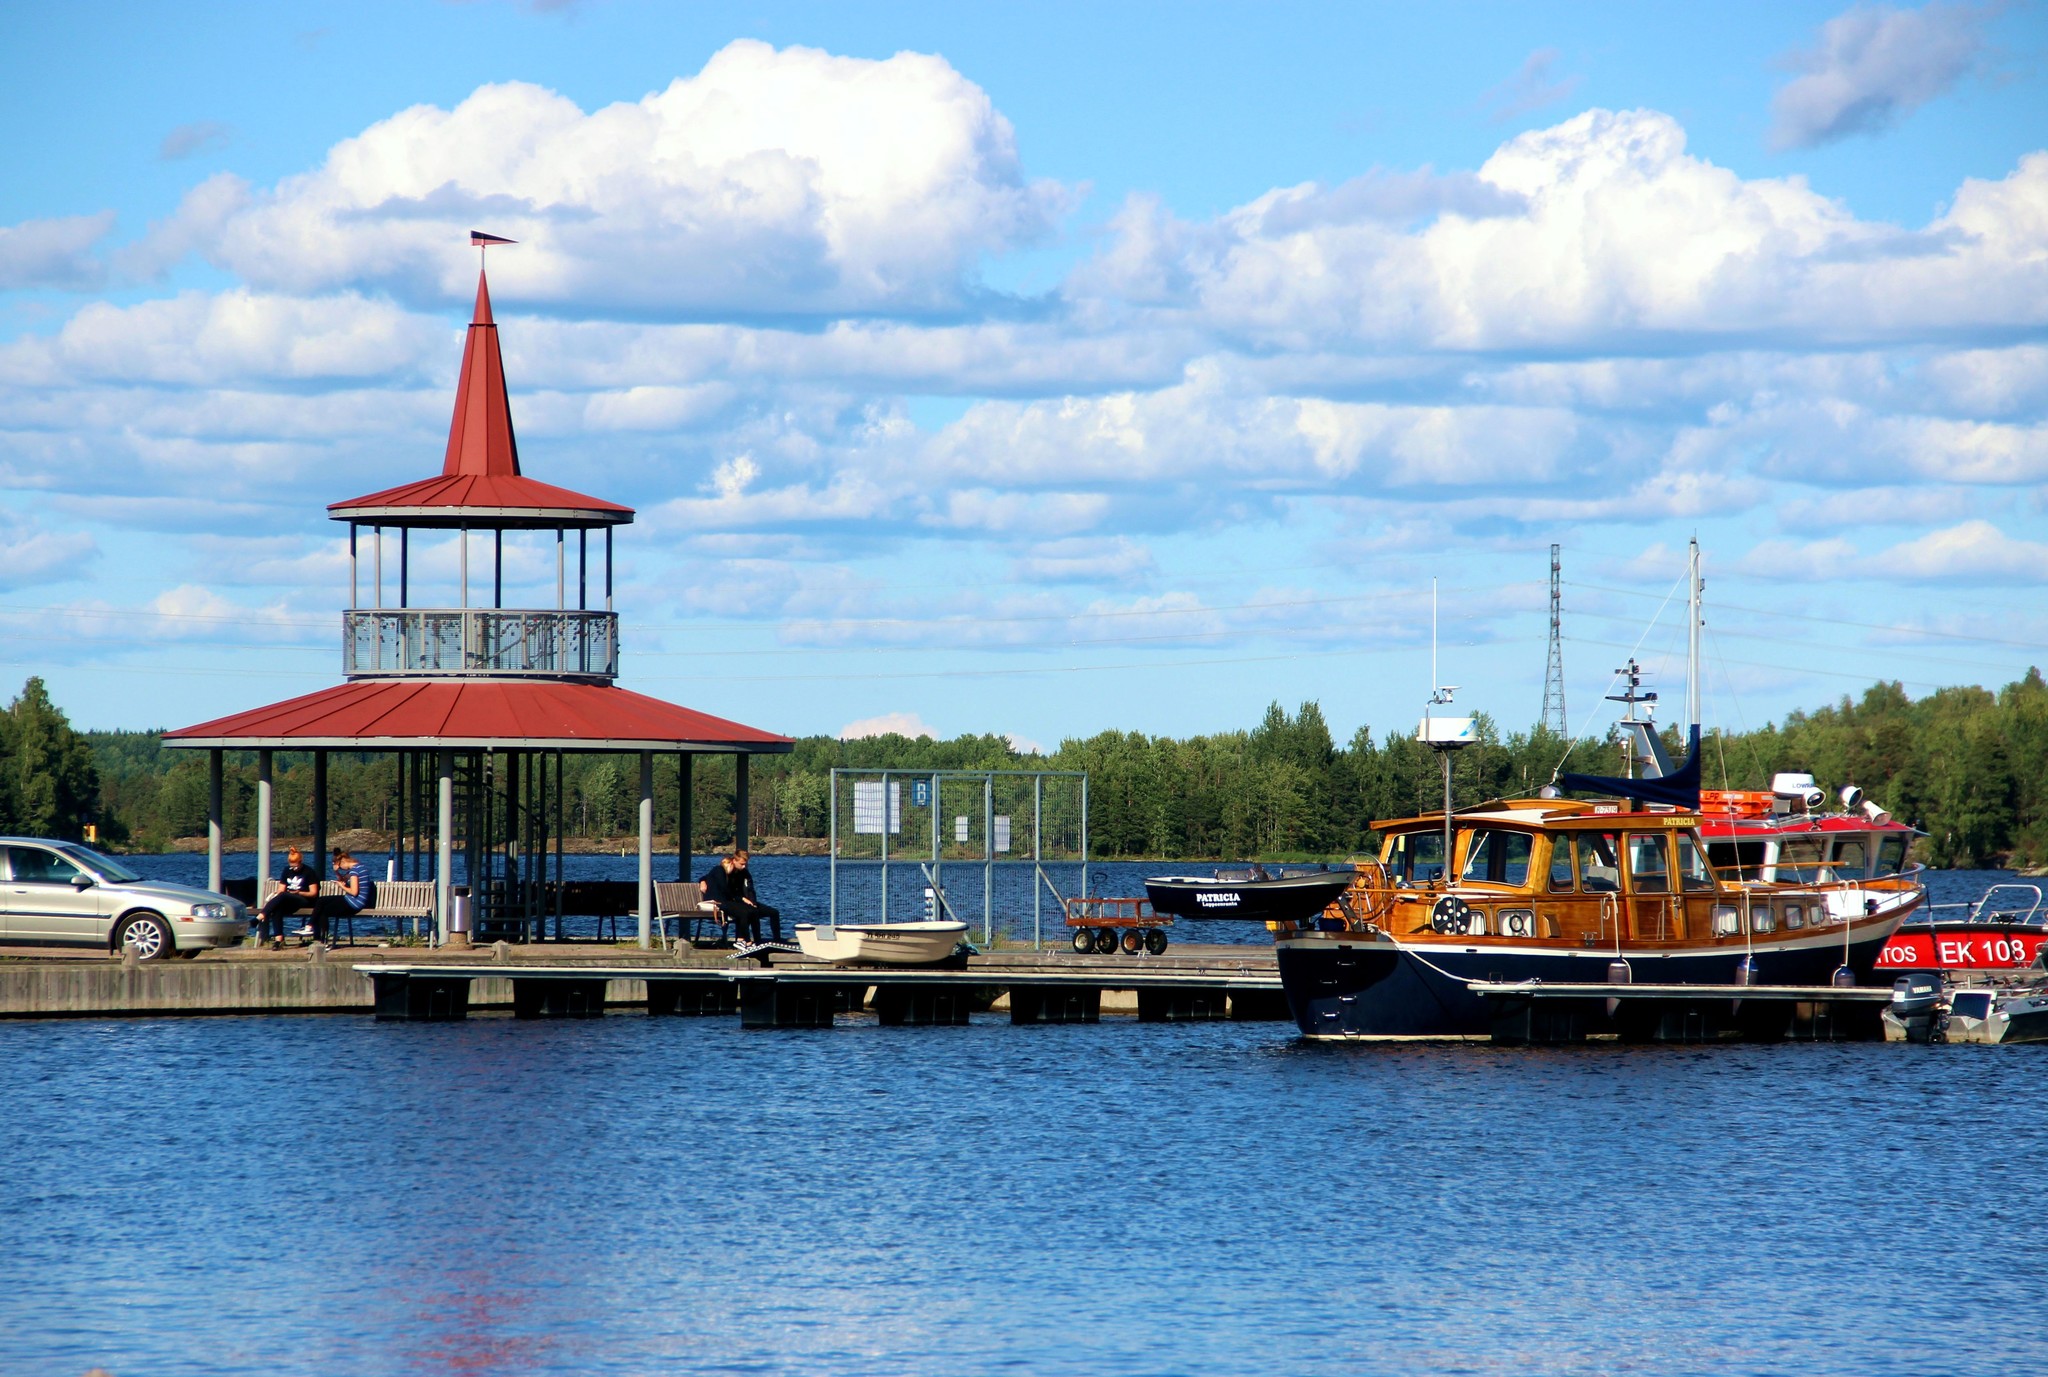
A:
{"points": [[501, 714]]}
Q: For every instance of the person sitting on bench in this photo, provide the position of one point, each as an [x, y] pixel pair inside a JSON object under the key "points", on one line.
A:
{"points": [[298, 886], [358, 892], [717, 890], [741, 901]]}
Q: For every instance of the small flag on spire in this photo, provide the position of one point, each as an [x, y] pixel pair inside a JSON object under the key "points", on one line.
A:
{"points": [[478, 239]]}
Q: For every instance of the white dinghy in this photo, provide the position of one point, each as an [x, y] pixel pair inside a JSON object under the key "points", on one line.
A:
{"points": [[890, 944]]}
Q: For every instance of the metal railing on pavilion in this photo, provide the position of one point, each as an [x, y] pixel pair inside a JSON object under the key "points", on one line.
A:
{"points": [[441, 641]]}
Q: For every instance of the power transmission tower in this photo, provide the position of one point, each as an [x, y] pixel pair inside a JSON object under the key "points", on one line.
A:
{"points": [[1553, 674]]}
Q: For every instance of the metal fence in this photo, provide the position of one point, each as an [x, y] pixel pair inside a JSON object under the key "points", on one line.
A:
{"points": [[936, 821]]}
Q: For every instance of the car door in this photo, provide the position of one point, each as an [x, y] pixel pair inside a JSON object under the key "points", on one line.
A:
{"points": [[45, 904]]}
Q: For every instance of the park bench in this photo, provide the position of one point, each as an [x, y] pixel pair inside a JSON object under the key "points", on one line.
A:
{"points": [[697, 918], [395, 901]]}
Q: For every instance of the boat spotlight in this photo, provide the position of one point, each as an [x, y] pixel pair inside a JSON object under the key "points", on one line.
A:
{"points": [[1875, 813], [1852, 797]]}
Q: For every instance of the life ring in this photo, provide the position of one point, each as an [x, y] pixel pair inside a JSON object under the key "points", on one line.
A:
{"points": [[1516, 923], [1451, 916]]}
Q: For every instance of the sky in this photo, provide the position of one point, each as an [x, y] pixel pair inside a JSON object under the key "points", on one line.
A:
{"points": [[1048, 369]]}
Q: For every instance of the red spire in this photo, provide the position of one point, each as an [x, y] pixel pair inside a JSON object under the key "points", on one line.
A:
{"points": [[480, 440]]}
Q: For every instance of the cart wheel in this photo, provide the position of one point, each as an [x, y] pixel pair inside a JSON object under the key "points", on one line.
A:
{"points": [[1133, 942], [1105, 941], [1155, 941], [1084, 941]]}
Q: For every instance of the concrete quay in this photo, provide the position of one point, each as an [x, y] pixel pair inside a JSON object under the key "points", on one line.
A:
{"points": [[568, 979]]}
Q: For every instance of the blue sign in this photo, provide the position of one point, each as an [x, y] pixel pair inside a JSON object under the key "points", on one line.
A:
{"points": [[921, 793]]}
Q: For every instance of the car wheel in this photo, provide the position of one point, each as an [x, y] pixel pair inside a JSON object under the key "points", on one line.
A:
{"points": [[148, 936]]}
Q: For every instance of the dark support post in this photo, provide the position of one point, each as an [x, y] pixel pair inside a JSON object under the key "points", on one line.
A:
{"points": [[582, 569], [772, 1003], [320, 811], [692, 997], [498, 567], [686, 790], [922, 1006], [739, 801], [1182, 1005], [607, 568], [556, 997], [404, 562], [1055, 1004]]}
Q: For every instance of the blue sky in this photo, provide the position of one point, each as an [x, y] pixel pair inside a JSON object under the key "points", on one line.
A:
{"points": [[1045, 370]]}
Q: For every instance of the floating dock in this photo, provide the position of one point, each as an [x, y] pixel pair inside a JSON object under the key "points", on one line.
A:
{"points": [[553, 981]]}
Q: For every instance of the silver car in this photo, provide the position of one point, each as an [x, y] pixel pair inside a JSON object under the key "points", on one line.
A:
{"points": [[61, 893]]}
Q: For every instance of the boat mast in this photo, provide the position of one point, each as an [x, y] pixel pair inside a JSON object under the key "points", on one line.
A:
{"points": [[1692, 645]]}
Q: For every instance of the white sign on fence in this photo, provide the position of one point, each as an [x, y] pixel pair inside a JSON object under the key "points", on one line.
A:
{"points": [[1002, 832], [867, 806], [960, 828]]}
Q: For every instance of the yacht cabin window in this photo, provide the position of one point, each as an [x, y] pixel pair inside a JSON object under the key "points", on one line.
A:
{"points": [[1497, 856], [1800, 860], [1736, 860], [1599, 862], [1415, 858], [1649, 866], [1849, 859], [1560, 865], [1891, 856], [1692, 867]]}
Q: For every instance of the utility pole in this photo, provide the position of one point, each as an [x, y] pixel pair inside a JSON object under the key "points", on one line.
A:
{"points": [[1553, 674]]}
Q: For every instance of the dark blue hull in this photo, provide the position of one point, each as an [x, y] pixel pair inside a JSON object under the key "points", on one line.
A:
{"points": [[1368, 988]]}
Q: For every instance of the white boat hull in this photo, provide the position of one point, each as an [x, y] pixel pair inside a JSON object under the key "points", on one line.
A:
{"points": [[889, 944]]}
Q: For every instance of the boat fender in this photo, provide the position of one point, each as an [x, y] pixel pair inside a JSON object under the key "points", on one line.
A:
{"points": [[1451, 915]]}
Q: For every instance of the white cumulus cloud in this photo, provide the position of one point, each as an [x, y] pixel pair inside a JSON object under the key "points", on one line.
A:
{"points": [[773, 181], [887, 724]]}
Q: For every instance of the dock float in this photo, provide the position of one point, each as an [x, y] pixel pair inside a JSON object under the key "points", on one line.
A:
{"points": [[1535, 1011], [1043, 990]]}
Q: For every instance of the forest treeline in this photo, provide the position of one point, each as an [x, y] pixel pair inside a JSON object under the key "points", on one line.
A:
{"points": [[1968, 766]]}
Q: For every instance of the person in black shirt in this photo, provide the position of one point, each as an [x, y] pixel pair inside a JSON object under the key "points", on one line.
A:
{"points": [[740, 898], [718, 890], [298, 887]]}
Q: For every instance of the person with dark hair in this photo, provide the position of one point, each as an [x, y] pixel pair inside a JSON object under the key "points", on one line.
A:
{"points": [[742, 900], [298, 887], [358, 892]]}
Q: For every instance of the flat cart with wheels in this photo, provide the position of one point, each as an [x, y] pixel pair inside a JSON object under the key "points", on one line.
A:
{"points": [[1106, 926]]}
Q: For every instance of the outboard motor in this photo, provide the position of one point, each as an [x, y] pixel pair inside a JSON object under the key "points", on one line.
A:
{"points": [[1920, 1005]]}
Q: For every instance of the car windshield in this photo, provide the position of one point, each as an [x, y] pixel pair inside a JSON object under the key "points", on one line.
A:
{"points": [[106, 867]]}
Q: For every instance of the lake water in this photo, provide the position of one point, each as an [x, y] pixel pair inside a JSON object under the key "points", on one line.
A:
{"points": [[331, 1195]]}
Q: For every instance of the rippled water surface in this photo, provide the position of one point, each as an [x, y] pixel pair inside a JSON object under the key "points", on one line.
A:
{"points": [[327, 1194]]}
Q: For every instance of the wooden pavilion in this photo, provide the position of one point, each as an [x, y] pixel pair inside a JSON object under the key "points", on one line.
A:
{"points": [[479, 703]]}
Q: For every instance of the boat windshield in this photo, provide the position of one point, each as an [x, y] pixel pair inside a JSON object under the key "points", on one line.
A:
{"points": [[1498, 857], [1416, 858], [1800, 860], [1891, 856], [1599, 866], [1692, 867], [1649, 868], [1851, 858]]}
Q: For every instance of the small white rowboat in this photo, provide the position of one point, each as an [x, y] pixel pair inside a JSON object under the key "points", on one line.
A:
{"points": [[891, 944]]}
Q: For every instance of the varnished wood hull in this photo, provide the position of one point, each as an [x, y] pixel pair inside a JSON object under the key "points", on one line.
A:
{"points": [[1354, 985]]}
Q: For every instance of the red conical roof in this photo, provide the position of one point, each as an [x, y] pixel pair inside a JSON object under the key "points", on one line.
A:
{"points": [[480, 439], [480, 483]]}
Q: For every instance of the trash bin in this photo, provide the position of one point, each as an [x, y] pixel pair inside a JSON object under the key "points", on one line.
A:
{"points": [[458, 913]]}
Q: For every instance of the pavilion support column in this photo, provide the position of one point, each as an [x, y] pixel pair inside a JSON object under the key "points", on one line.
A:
{"points": [[686, 789], [320, 810], [263, 764], [739, 801], [213, 820], [646, 848], [444, 842]]}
